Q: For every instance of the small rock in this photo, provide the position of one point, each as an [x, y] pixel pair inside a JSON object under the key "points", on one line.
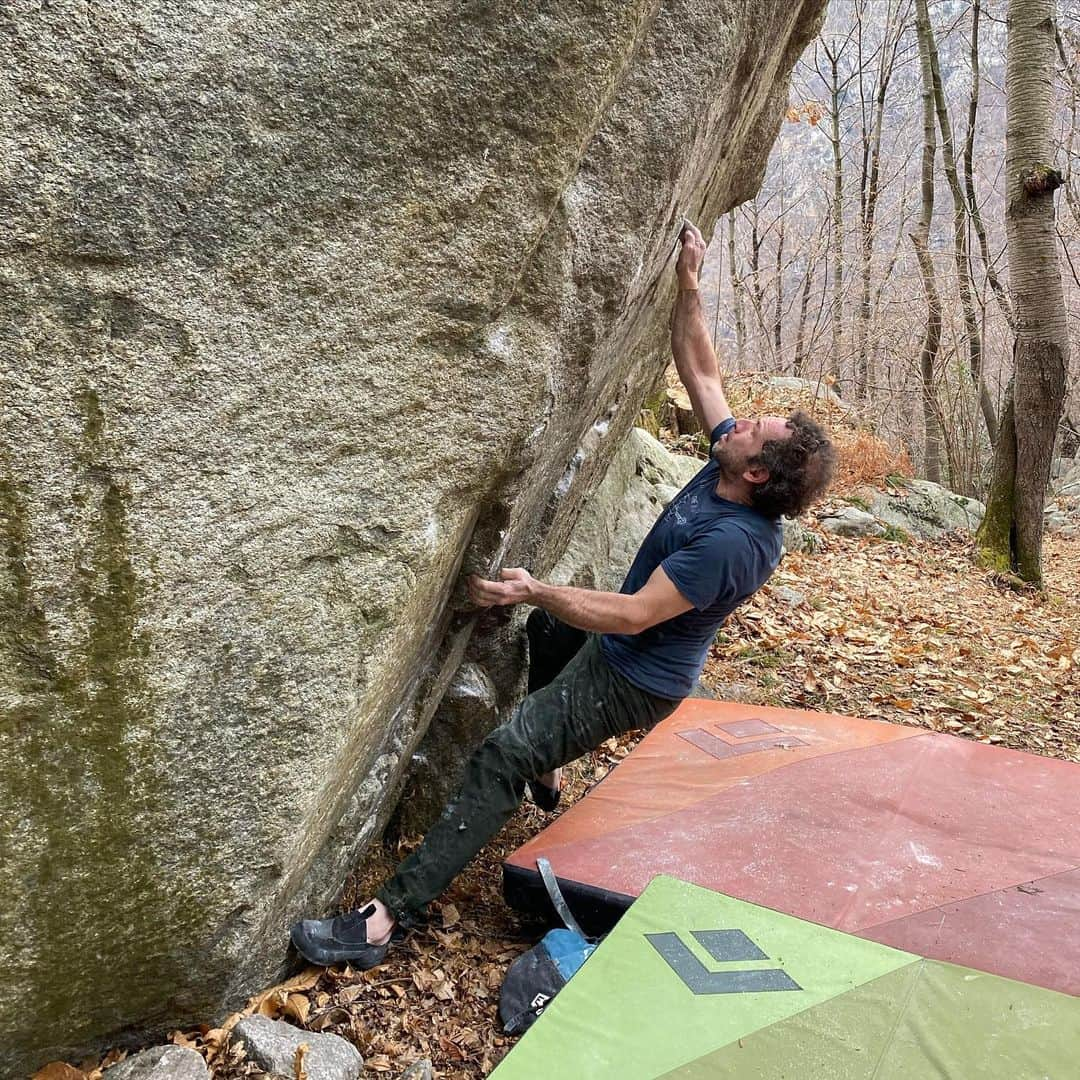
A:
{"points": [[789, 596], [418, 1070], [799, 538], [161, 1063], [816, 387], [272, 1045], [851, 521]]}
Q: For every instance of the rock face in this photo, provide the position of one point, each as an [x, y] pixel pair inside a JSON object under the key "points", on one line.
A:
{"points": [[303, 309]]}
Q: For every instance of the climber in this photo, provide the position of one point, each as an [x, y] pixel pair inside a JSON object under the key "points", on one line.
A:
{"points": [[605, 663]]}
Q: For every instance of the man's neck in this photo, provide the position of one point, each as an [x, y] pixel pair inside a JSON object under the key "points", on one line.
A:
{"points": [[735, 489]]}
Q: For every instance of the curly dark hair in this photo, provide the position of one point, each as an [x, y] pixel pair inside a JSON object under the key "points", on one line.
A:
{"points": [[800, 468]]}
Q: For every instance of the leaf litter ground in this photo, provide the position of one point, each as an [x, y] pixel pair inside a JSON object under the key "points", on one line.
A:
{"points": [[905, 632]]}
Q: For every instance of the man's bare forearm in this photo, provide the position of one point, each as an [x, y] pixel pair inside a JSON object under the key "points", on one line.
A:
{"points": [[600, 612], [691, 345]]}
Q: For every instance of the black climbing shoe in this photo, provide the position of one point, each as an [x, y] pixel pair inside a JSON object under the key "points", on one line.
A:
{"points": [[333, 941], [546, 798]]}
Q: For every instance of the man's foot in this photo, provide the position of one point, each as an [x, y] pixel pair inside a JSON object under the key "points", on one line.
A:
{"points": [[545, 790], [359, 937]]}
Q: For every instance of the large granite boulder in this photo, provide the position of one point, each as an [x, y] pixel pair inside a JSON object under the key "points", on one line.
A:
{"points": [[923, 508], [304, 308], [642, 479]]}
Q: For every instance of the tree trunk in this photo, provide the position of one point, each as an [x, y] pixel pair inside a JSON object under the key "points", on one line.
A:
{"points": [[778, 311], [736, 295], [800, 333], [960, 245], [1041, 350], [1000, 294], [868, 193], [837, 246], [920, 238]]}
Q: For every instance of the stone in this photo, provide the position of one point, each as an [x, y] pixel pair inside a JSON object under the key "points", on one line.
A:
{"points": [[418, 1070], [787, 595], [641, 480], [797, 537], [273, 1044], [161, 1063], [305, 311], [851, 521], [816, 388], [923, 508]]}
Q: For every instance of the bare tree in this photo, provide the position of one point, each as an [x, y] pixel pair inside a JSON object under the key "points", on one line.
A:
{"points": [[1010, 537], [998, 289], [920, 238], [872, 124], [834, 52], [960, 246], [736, 294]]}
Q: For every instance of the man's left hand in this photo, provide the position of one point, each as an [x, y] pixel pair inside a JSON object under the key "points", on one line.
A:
{"points": [[517, 587]]}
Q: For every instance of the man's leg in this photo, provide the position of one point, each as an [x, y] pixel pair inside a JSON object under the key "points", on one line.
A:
{"points": [[552, 645], [586, 704]]}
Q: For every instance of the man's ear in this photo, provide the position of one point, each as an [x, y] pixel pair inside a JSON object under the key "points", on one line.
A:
{"points": [[756, 474]]}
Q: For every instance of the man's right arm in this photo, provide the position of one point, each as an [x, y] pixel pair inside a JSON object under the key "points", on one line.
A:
{"points": [[695, 360]]}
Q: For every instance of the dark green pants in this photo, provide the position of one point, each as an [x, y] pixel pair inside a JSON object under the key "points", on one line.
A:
{"points": [[585, 703]]}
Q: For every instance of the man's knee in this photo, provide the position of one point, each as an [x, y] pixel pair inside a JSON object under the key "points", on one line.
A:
{"points": [[512, 752]]}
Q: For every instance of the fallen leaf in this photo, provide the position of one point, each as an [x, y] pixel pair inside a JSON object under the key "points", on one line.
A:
{"points": [[59, 1070], [298, 1062]]}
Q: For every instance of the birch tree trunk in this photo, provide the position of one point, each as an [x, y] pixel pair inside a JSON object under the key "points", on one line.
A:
{"points": [[1000, 294], [1010, 537]]}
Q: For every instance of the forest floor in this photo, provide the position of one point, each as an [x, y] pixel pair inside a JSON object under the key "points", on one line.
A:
{"points": [[911, 632]]}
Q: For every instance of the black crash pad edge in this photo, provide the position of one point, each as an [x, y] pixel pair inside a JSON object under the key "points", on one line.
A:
{"points": [[597, 910]]}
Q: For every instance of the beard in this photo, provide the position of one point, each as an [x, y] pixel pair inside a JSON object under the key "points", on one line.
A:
{"points": [[732, 463]]}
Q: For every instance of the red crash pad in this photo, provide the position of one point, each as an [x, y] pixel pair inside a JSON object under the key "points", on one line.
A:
{"points": [[929, 843]]}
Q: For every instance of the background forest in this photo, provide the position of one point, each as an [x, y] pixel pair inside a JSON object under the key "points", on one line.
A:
{"points": [[819, 275]]}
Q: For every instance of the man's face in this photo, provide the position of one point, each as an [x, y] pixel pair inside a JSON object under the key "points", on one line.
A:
{"points": [[734, 450]]}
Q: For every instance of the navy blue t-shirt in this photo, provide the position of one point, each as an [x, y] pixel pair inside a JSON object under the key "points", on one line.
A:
{"points": [[717, 553]]}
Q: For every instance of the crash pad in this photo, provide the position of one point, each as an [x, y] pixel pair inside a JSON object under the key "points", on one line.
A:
{"points": [[944, 847], [697, 985]]}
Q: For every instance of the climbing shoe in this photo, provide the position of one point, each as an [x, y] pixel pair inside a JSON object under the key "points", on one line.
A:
{"points": [[342, 938]]}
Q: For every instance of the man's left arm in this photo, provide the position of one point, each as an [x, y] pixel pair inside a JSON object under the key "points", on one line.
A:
{"points": [[587, 609]]}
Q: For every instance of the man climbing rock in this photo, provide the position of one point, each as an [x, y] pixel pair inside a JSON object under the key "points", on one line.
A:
{"points": [[606, 663]]}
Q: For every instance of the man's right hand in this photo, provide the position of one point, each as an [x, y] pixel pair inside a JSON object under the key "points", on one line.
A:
{"points": [[691, 256]]}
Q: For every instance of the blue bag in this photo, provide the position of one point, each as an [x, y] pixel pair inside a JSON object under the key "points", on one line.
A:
{"points": [[536, 976]]}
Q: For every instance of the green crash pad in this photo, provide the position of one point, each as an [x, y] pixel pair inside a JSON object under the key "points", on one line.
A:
{"points": [[697, 985]]}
